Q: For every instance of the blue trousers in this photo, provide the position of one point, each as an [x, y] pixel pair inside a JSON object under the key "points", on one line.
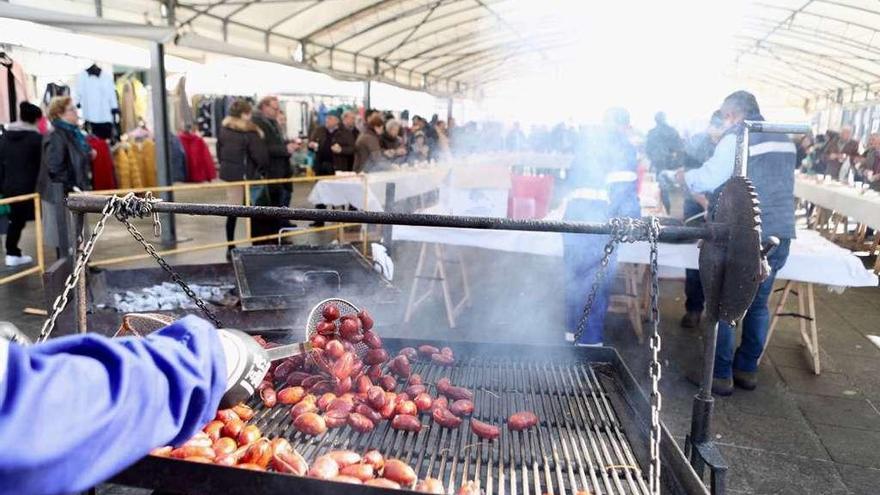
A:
{"points": [[582, 255], [754, 325]]}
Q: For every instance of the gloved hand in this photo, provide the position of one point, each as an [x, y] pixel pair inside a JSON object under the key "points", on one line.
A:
{"points": [[246, 365], [10, 332]]}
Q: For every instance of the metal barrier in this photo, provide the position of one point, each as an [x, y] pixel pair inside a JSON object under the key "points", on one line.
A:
{"points": [[246, 184], [38, 227]]}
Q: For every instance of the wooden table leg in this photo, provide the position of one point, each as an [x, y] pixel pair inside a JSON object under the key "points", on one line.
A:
{"points": [[780, 306], [813, 346], [444, 284], [410, 305]]}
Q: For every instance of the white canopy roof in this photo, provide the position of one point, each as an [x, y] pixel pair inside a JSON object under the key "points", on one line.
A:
{"points": [[808, 48]]}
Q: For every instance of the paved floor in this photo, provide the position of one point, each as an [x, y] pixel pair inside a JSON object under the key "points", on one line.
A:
{"points": [[796, 434]]}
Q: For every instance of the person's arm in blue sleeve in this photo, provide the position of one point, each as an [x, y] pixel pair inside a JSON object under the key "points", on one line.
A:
{"points": [[76, 410], [716, 169]]}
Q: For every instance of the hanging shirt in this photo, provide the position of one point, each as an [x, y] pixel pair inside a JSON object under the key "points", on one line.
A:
{"points": [[13, 90], [53, 90], [96, 97]]}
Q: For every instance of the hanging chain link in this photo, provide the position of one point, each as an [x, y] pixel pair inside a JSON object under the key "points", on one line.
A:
{"points": [[123, 209], [622, 230], [655, 369], [632, 230]]}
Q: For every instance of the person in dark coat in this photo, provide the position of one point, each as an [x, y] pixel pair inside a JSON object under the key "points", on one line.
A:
{"points": [[368, 156], [334, 150], [349, 128], [64, 167], [664, 148], [279, 150], [837, 151], [243, 156], [21, 149]]}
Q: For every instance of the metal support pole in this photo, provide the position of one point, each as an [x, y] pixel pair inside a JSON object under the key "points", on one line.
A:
{"points": [[160, 131], [95, 204], [448, 111], [367, 101], [389, 206]]}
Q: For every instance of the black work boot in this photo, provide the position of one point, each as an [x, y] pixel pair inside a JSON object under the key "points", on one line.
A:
{"points": [[720, 386], [747, 380], [691, 319]]}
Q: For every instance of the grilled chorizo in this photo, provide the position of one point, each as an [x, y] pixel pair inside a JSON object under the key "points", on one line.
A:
{"points": [[444, 418], [330, 312], [213, 429], [335, 419], [400, 366], [427, 350], [296, 378], [269, 397], [388, 382], [368, 412], [442, 359], [372, 339], [399, 472], [462, 407], [334, 349], [360, 471], [341, 478], [363, 384], [248, 435], [324, 468], [224, 446], [410, 352], [522, 420], [375, 356], [244, 412], [343, 366], [290, 395], [344, 457], [406, 422], [423, 402], [375, 459], [259, 453], [406, 407], [290, 462], [366, 319], [360, 423], [310, 424], [485, 430]]}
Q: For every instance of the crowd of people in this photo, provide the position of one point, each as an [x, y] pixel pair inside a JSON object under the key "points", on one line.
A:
{"points": [[839, 157]]}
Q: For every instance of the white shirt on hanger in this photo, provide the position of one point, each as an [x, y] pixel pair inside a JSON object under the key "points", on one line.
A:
{"points": [[96, 96]]}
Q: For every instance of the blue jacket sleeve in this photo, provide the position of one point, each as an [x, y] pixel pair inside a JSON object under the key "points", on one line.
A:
{"points": [[76, 410]]}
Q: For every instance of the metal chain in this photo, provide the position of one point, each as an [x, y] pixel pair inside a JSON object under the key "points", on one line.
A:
{"points": [[175, 277], [81, 262], [622, 230], [632, 230], [122, 209], [655, 368]]}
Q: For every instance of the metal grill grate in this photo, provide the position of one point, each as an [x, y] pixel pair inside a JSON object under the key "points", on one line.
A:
{"points": [[578, 445]]}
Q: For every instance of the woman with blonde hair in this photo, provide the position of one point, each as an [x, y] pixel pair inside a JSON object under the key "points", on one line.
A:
{"points": [[66, 165]]}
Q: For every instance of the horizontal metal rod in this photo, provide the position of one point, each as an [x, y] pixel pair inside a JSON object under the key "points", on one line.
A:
{"points": [[95, 204], [777, 127]]}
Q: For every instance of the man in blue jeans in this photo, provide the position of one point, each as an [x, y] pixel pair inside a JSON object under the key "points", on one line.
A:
{"points": [[603, 185], [771, 165]]}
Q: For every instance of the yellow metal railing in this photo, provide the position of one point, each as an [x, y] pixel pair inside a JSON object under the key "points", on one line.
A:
{"points": [[38, 232]]}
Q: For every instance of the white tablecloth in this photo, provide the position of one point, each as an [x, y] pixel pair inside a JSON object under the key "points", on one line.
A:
{"points": [[350, 191], [812, 258], [846, 200]]}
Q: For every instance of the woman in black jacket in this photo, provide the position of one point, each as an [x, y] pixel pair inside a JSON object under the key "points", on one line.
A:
{"points": [[20, 151], [242, 155], [66, 163]]}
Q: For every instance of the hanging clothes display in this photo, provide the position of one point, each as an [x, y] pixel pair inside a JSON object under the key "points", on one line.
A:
{"points": [[179, 106], [199, 163], [13, 88], [146, 155], [53, 90], [126, 166], [96, 97], [132, 96], [103, 175], [204, 115], [178, 159]]}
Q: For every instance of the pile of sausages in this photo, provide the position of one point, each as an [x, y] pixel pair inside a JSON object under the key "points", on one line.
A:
{"points": [[335, 387]]}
